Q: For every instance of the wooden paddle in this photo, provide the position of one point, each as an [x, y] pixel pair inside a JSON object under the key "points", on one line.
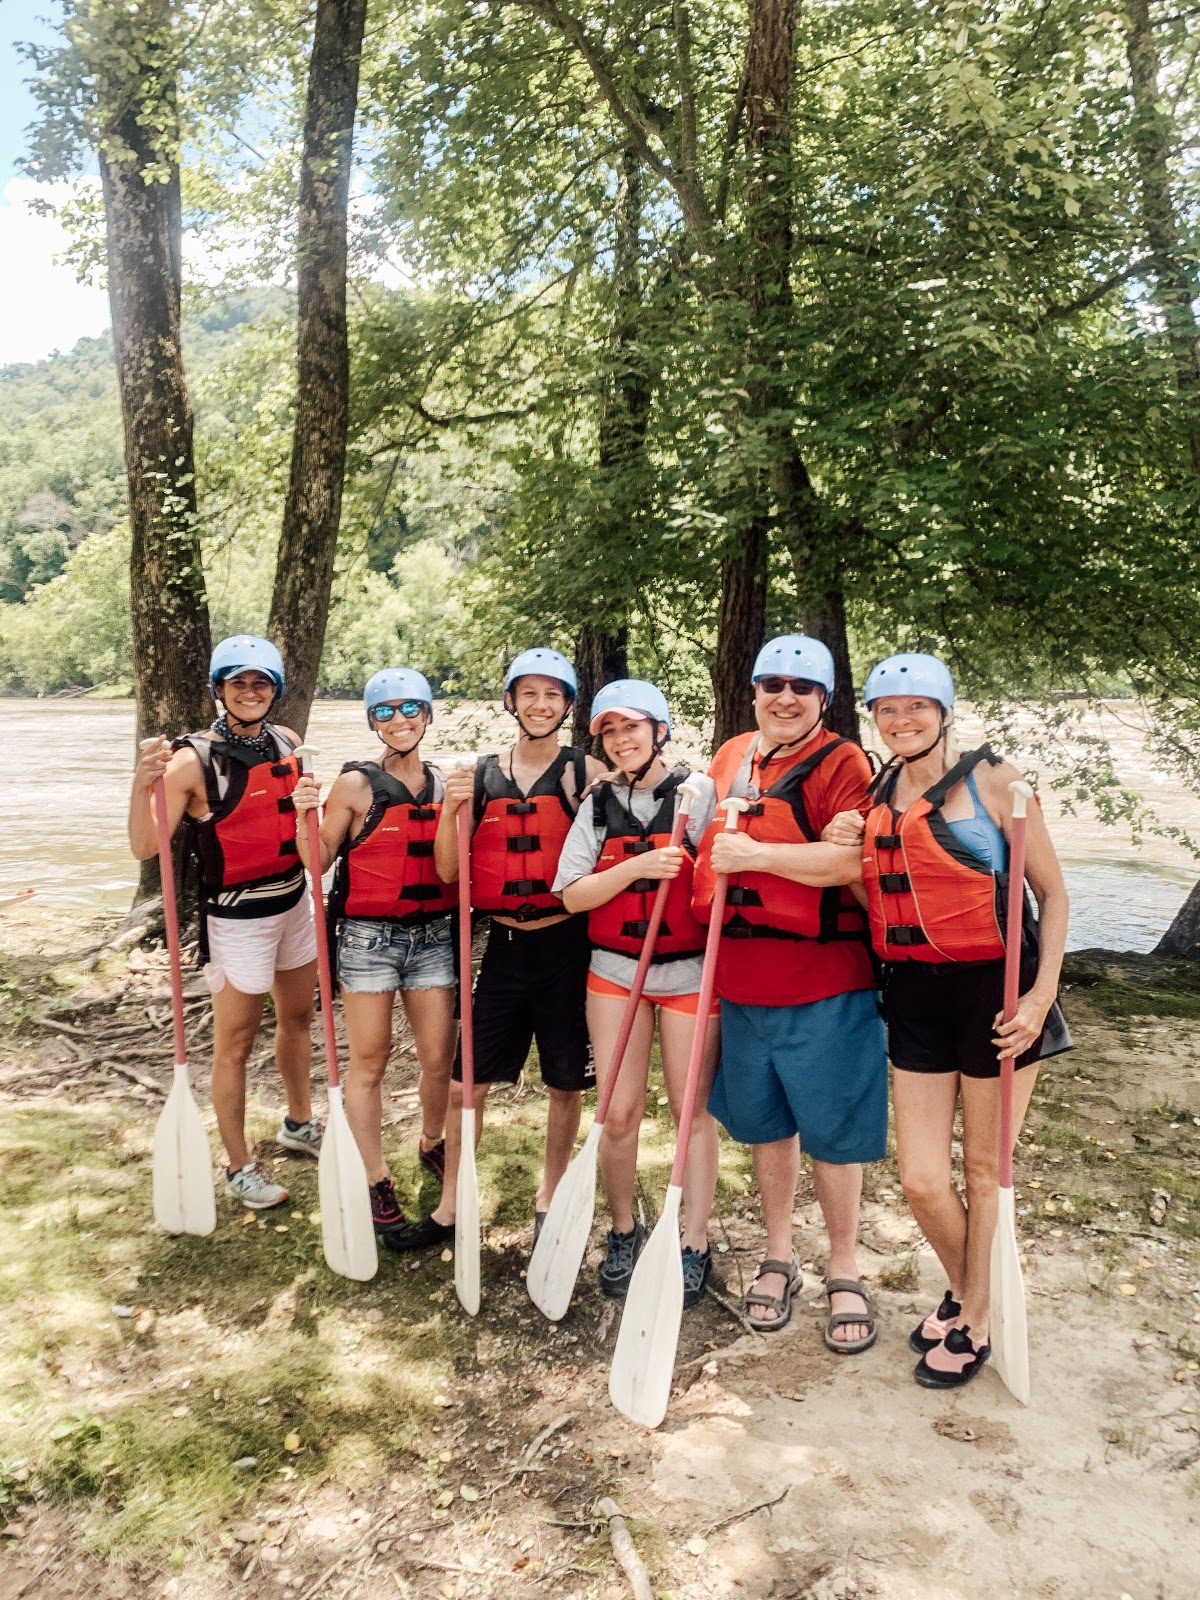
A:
{"points": [[182, 1173], [466, 1193], [558, 1254], [347, 1233], [643, 1364], [1007, 1329]]}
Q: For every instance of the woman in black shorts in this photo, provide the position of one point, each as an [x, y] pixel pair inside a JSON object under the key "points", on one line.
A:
{"points": [[933, 857]]}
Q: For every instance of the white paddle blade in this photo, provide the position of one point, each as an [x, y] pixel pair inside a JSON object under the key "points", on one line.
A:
{"points": [[466, 1220], [1008, 1334], [347, 1234], [182, 1172], [558, 1254], [643, 1364]]}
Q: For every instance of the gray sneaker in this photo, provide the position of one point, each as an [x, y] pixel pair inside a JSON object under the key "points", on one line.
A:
{"points": [[304, 1138], [252, 1185], [616, 1270]]}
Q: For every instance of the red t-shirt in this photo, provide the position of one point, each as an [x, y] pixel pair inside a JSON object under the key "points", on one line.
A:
{"points": [[795, 974]]}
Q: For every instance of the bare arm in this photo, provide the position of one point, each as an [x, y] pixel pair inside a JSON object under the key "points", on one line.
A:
{"points": [[346, 808], [598, 888], [820, 866], [184, 779], [460, 790]]}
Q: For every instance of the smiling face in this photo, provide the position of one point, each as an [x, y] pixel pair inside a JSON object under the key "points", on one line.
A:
{"points": [[246, 695], [907, 723], [628, 741], [401, 734], [541, 704], [790, 715]]}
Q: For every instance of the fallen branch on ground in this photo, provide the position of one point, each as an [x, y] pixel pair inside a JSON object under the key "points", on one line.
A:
{"points": [[551, 1428], [625, 1550]]}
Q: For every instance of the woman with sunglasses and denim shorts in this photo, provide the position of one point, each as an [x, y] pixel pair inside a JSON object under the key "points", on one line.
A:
{"points": [[394, 913]]}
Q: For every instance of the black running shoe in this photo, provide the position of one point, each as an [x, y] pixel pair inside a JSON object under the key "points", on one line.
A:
{"points": [[434, 1159], [617, 1267], [385, 1208], [422, 1235], [697, 1264]]}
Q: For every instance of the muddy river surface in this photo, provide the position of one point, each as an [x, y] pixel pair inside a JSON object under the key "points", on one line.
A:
{"points": [[64, 783]]}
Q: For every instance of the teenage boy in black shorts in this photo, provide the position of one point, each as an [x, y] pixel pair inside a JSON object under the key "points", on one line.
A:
{"points": [[532, 985]]}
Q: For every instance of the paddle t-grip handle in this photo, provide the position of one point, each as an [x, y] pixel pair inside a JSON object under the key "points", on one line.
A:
{"points": [[466, 1029], [689, 794], [166, 871], [733, 809], [305, 753], [1022, 794]]}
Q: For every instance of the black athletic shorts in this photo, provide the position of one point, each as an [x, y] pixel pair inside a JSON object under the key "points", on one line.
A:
{"points": [[532, 986], [941, 1017]]}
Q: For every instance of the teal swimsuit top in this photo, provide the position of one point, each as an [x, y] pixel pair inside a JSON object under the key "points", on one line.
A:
{"points": [[979, 833]]}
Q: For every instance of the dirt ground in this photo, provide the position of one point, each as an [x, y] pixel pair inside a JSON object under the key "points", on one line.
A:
{"points": [[221, 1417]]}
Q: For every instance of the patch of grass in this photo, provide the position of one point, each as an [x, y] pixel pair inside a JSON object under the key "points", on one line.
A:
{"points": [[1135, 986], [903, 1275]]}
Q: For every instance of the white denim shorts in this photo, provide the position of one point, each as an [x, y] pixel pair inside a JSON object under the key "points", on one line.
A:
{"points": [[248, 952]]}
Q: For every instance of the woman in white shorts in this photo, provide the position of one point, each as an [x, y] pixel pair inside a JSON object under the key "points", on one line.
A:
{"points": [[393, 913], [233, 785]]}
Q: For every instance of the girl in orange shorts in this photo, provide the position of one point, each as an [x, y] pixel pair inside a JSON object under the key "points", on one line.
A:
{"points": [[615, 856]]}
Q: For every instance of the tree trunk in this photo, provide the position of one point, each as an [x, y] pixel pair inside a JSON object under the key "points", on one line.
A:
{"points": [[1175, 288], [168, 603], [1182, 939], [602, 643], [313, 508], [827, 621]]}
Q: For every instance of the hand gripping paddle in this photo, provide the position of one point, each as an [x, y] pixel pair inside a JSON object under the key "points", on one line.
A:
{"points": [[347, 1234], [643, 1364], [466, 1193], [558, 1254], [1007, 1329], [182, 1172]]}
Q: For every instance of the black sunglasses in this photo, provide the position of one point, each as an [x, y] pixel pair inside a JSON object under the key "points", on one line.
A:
{"points": [[799, 686], [406, 708]]}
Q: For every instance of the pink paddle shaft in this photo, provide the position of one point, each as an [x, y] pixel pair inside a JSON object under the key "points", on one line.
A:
{"points": [[708, 982], [1012, 989], [324, 975], [466, 1027], [166, 871], [639, 976]]}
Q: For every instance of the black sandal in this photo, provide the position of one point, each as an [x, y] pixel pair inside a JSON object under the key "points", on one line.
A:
{"points": [[948, 1312], [780, 1304], [957, 1343]]}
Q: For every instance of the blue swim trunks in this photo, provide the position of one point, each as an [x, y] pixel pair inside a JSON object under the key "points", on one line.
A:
{"points": [[819, 1070]]}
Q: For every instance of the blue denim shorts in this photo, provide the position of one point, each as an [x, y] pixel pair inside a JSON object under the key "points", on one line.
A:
{"points": [[380, 957]]}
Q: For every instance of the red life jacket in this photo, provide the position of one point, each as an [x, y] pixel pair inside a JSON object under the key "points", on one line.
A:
{"points": [[519, 837], [248, 838], [621, 923], [761, 905], [388, 871], [929, 897]]}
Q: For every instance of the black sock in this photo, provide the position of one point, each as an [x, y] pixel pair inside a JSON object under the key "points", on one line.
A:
{"points": [[292, 1127]]}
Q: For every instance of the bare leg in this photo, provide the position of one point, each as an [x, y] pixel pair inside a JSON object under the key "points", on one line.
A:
{"points": [[925, 1103], [430, 1015], [444, 1211], [293, 992], [622, 1123], [369, 1034], [839, 1191], [236, 1020], [981, 1169], [700, 1174], [777, 1166], [562, 1124]]}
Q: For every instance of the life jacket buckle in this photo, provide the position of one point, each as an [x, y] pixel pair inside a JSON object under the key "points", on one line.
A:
{"points": [[895, 883], [638, 847], [524, 844], [420, 847], [739, 895], [907, 935], [887, 841], [423, 813], [282, 769], [521, 808], [635, 930]]}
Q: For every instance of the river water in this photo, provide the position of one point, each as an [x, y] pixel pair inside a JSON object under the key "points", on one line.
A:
{"points": [[64, 785]]}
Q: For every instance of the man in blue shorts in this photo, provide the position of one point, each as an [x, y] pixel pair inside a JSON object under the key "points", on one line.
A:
{"points": [[803, 1060]]}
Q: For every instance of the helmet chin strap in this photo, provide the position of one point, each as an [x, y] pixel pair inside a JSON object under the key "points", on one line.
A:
{"points": [[790, 744], [550, 733], [929, 748], [241, 722]]}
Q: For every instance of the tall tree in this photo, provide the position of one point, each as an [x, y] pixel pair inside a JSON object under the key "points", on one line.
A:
{"points": [[313, 508]]}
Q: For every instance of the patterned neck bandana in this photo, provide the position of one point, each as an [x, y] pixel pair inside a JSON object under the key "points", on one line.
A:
{"points": [[262, 743]]}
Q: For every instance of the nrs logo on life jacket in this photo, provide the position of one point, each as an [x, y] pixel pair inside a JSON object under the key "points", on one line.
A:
{"points": [[620, 924], [249, 834], [519, 837], [762, 905], [930, 898], [388, 872]]}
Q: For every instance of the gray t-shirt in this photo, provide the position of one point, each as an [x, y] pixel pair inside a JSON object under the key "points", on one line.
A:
{"points": [[579, 856]]}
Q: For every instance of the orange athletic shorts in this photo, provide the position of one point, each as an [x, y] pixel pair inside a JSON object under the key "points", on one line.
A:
{"points": [[685, 1004]]}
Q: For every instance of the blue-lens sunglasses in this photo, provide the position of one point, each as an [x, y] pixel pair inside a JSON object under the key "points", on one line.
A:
{"points": [[406, 708]]}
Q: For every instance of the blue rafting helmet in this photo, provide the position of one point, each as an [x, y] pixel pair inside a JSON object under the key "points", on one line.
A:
{"points": [[911, 673], [242, 651], [546, 664], [631, 697], [397, 683], [795, 655]]}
